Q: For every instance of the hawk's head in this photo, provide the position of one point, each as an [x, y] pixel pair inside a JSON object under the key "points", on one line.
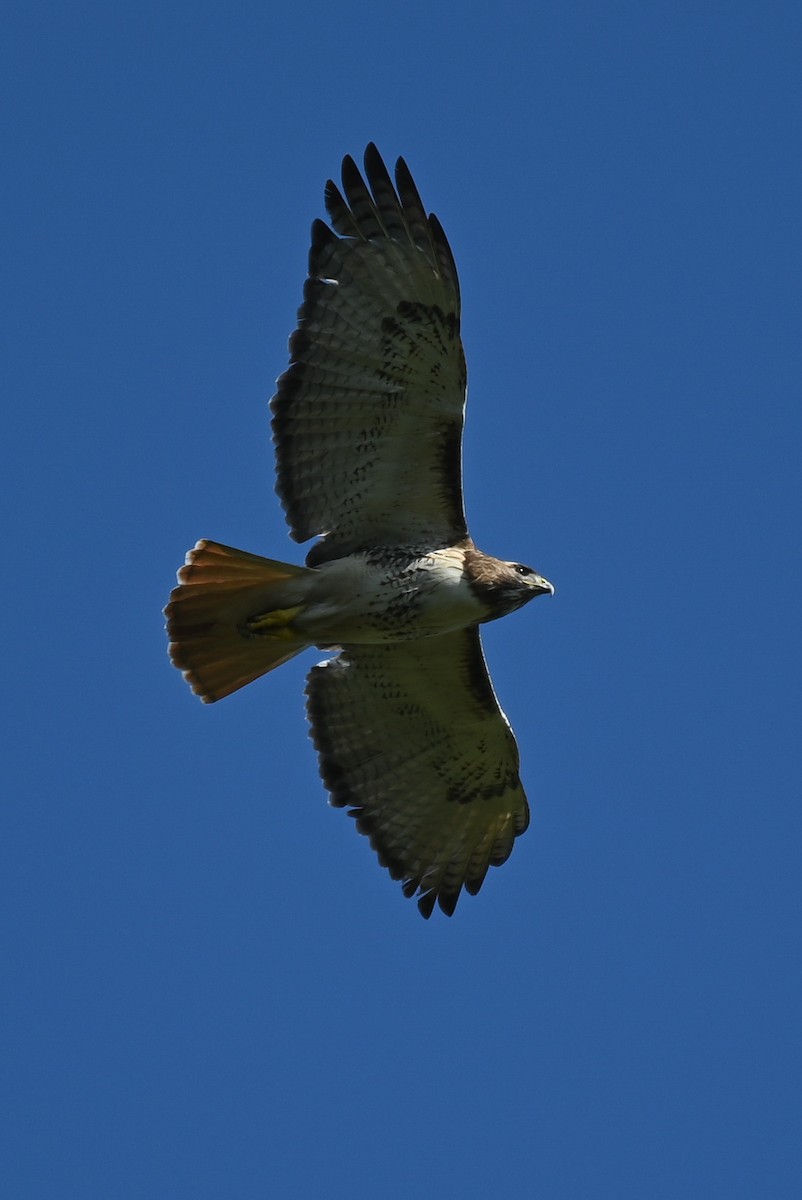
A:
{"points": [[503, 586]]}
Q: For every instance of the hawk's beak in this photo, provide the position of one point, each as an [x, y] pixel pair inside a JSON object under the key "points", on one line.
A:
{"points": [[541, 586]]}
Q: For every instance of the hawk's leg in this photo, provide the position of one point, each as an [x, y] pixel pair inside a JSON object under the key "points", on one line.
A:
{"points": [[275, 624]]}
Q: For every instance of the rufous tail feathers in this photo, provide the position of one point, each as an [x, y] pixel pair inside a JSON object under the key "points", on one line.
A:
{"points": [[230, 618]]}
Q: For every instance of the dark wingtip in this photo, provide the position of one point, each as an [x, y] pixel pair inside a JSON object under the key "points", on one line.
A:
{"points": [[350, 172], [402, 172], [372, 156]]}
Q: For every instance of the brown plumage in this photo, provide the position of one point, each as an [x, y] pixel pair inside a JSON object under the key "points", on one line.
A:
{"points": [[367, 424]]}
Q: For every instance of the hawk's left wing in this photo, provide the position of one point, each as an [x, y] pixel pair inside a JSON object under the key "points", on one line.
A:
{"points": [[411, 738]]}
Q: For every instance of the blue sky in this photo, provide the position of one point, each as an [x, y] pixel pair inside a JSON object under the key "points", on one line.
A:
{"points": [[211, 989]]}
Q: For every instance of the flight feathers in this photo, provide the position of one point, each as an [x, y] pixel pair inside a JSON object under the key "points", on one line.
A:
{"points": [[219, 590]]}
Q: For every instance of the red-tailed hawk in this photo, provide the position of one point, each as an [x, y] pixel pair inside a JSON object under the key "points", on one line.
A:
{"points": [[367, 425]]}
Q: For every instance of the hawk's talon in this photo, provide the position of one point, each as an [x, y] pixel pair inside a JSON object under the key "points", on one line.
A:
{"points": [[277, 623]]}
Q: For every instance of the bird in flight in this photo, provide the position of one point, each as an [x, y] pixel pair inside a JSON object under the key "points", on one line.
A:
{"points": [[367, 425]]}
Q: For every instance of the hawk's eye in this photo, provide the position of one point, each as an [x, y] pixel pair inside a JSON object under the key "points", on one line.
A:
{"points": [[521, 569]]}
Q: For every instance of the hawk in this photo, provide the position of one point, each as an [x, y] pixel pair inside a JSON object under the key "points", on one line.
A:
{"points": [[367, 425]]}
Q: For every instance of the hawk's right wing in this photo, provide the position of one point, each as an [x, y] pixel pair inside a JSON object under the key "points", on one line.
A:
{"points": [[367, 420]]}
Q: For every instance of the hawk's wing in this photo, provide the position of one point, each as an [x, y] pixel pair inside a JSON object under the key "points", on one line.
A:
{"points": [[412, 739], [367, 420]]}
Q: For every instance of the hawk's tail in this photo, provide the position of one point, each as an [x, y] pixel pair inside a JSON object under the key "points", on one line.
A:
{"points": [[230, 619]]}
